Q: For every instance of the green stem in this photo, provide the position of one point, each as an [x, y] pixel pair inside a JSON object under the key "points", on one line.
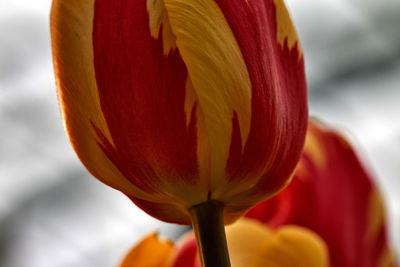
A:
{"points": [[208, 224]]}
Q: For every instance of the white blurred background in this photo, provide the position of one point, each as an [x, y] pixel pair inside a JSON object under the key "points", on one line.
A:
{"points": [[53, 214]]}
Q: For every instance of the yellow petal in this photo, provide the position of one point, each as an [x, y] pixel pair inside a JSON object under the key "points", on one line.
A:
{"points": [[253, 244], [244, 240]]}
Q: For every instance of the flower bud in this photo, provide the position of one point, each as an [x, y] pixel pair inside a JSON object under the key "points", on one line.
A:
{"points": [[176, 103]]}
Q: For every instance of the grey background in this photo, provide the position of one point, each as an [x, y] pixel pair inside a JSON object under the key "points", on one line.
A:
{"points": [[53, 214]]}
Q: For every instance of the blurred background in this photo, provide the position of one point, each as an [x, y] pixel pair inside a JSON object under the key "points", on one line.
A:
{"points": [[54, 214]]}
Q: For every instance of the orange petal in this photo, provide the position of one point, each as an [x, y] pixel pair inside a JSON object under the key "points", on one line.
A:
{"points": [[150, 252]]}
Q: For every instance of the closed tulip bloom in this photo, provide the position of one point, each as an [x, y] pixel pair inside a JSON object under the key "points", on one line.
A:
{"points": [[177, 103]]}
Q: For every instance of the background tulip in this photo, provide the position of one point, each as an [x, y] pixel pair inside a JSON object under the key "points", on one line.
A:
{"points": [[333, 194], [176, 103]]}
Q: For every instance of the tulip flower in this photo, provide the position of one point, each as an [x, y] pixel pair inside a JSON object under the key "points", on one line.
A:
{"points": [[330, 215], [182, 105], [333, 194]]}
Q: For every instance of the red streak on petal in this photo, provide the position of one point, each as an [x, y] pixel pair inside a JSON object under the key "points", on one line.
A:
{"points": [[279, 100], [142, 95]]}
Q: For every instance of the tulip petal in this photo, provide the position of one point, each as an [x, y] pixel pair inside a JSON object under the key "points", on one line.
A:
{"points": [[293, 246], [245, 240], [155, 145], [150, 252], [186, 253], [71, 28], [165, 211], [218, 73], [253, 244], [275, 65]]}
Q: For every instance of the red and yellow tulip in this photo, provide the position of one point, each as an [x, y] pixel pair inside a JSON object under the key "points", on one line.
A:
{"points": [[330, 215], [177, 102]]}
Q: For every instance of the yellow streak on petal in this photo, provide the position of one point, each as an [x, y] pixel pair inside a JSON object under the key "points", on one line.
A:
{"points": [[314, 149], [203, 150], [218, 74], [71, 32], [190, 100], [285, 27], [157, 18], [387, 258], [253, 244], [150, 252], [375, 216]]}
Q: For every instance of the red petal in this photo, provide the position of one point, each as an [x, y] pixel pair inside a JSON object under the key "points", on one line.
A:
{"points": [[279, 101], [142, 95]]}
